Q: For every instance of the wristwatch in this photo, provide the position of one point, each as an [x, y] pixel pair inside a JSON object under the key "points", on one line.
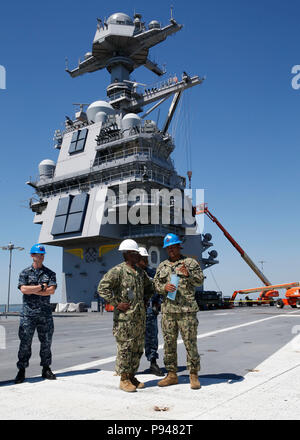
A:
{"points": [[42, 287]]}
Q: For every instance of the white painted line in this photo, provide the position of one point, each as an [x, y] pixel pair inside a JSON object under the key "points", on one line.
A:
{"points": [[180, 341], [223, 314], [290, 316], [88, 365], [246, 324]]}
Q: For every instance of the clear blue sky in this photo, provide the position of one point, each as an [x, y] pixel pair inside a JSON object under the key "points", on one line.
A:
{"points": [[244, 119]]}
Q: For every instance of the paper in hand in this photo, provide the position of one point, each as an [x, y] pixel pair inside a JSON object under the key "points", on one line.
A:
{"points": [[174, 280]]}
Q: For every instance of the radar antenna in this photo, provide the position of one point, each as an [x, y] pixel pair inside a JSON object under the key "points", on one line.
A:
{"points": [[172, 7], [81, 106]]}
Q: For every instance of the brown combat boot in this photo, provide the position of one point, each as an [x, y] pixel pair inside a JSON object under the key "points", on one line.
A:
{"points": [[136, 382], [125, 383], [194, 381], [170, 379]]}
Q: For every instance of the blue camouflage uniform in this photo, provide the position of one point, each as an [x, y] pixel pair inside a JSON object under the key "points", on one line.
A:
{"points": [[36, 314], [151, 334]]}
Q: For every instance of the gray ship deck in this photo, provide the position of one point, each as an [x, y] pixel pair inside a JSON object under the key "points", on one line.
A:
{"points": [[249, 359]]}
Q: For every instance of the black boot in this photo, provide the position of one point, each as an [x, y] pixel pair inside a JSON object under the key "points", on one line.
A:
{"points": [[20, 377], [47, 373], [154, 368]]}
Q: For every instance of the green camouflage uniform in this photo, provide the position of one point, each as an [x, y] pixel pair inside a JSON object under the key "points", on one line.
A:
{"points": [[122, 284], [180, 314]]}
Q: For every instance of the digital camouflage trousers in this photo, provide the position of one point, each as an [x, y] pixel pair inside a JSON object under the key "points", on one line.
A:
{"points": [[130, 338], [186, 324], [43, 323]]}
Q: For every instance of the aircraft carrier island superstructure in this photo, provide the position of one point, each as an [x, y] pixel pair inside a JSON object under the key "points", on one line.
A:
{"points": [[114, 177]]}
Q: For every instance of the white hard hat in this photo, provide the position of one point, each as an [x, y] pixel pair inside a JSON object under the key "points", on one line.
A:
{"points": [[143, 252], [128, 245]]}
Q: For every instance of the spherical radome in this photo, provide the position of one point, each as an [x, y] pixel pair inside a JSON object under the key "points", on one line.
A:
{"points": [[154, 24], [119, 18], [99, 106]]}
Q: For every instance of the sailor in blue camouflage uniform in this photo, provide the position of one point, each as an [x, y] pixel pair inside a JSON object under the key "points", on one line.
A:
{"points": [[37, 283], [152, 311]]}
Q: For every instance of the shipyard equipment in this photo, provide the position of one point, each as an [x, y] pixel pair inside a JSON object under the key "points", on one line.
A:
{"points": [[292, 298], [267, 294], [211, 299]]}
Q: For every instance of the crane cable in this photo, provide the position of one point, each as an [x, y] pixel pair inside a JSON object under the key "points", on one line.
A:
{"points": [[187, 128], [182, 120], [218, 287]]}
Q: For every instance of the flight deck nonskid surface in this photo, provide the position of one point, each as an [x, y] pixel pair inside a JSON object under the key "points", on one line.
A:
{"points": [[245, 354]]}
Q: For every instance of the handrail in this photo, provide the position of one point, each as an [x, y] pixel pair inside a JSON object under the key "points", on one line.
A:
{"points": [[139, 174], [123, 155], [150, 229]]}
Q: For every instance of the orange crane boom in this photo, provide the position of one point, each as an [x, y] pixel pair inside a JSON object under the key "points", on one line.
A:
{"points": [[203, 209]]}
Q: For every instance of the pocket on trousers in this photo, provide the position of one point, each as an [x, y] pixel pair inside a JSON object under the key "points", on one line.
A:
{"points": [[127, 330]]}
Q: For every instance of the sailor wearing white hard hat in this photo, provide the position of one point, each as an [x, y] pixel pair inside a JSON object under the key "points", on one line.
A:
{"points": [[151, 334], [129, 245], [127, 287]]}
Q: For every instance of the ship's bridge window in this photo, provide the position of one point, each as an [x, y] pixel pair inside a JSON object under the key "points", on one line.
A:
{"points": [[78, 141], [70, 214]]}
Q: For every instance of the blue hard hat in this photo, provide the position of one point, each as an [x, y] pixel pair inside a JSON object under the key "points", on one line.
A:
{"points": [[37, 249], [171, 239]]}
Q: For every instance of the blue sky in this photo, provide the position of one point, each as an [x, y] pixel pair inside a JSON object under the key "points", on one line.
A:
{"points": [[244, 119]]}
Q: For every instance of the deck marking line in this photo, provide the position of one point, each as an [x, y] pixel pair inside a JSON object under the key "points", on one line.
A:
{"points": [[180, 341]]}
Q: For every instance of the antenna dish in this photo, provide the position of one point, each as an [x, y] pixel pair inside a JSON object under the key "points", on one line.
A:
{"points": [[213, 254]]}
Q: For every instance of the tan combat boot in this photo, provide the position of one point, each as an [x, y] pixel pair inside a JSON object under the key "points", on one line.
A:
{"points": [[170, 379], [136, 382], [125, 383], [194, 381]]}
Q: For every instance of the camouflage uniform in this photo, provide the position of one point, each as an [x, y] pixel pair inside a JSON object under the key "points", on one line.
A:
{"points": [[180, 314], [151, 334], [36, 314], [123, 284]]}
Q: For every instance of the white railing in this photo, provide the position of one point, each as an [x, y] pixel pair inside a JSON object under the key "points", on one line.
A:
{"points": [[146, 152], [149, 230], [161, 85], [155, 199], [130, 174]]}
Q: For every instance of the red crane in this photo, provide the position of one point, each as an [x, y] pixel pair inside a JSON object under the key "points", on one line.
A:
{"points": [[203, 209]]}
